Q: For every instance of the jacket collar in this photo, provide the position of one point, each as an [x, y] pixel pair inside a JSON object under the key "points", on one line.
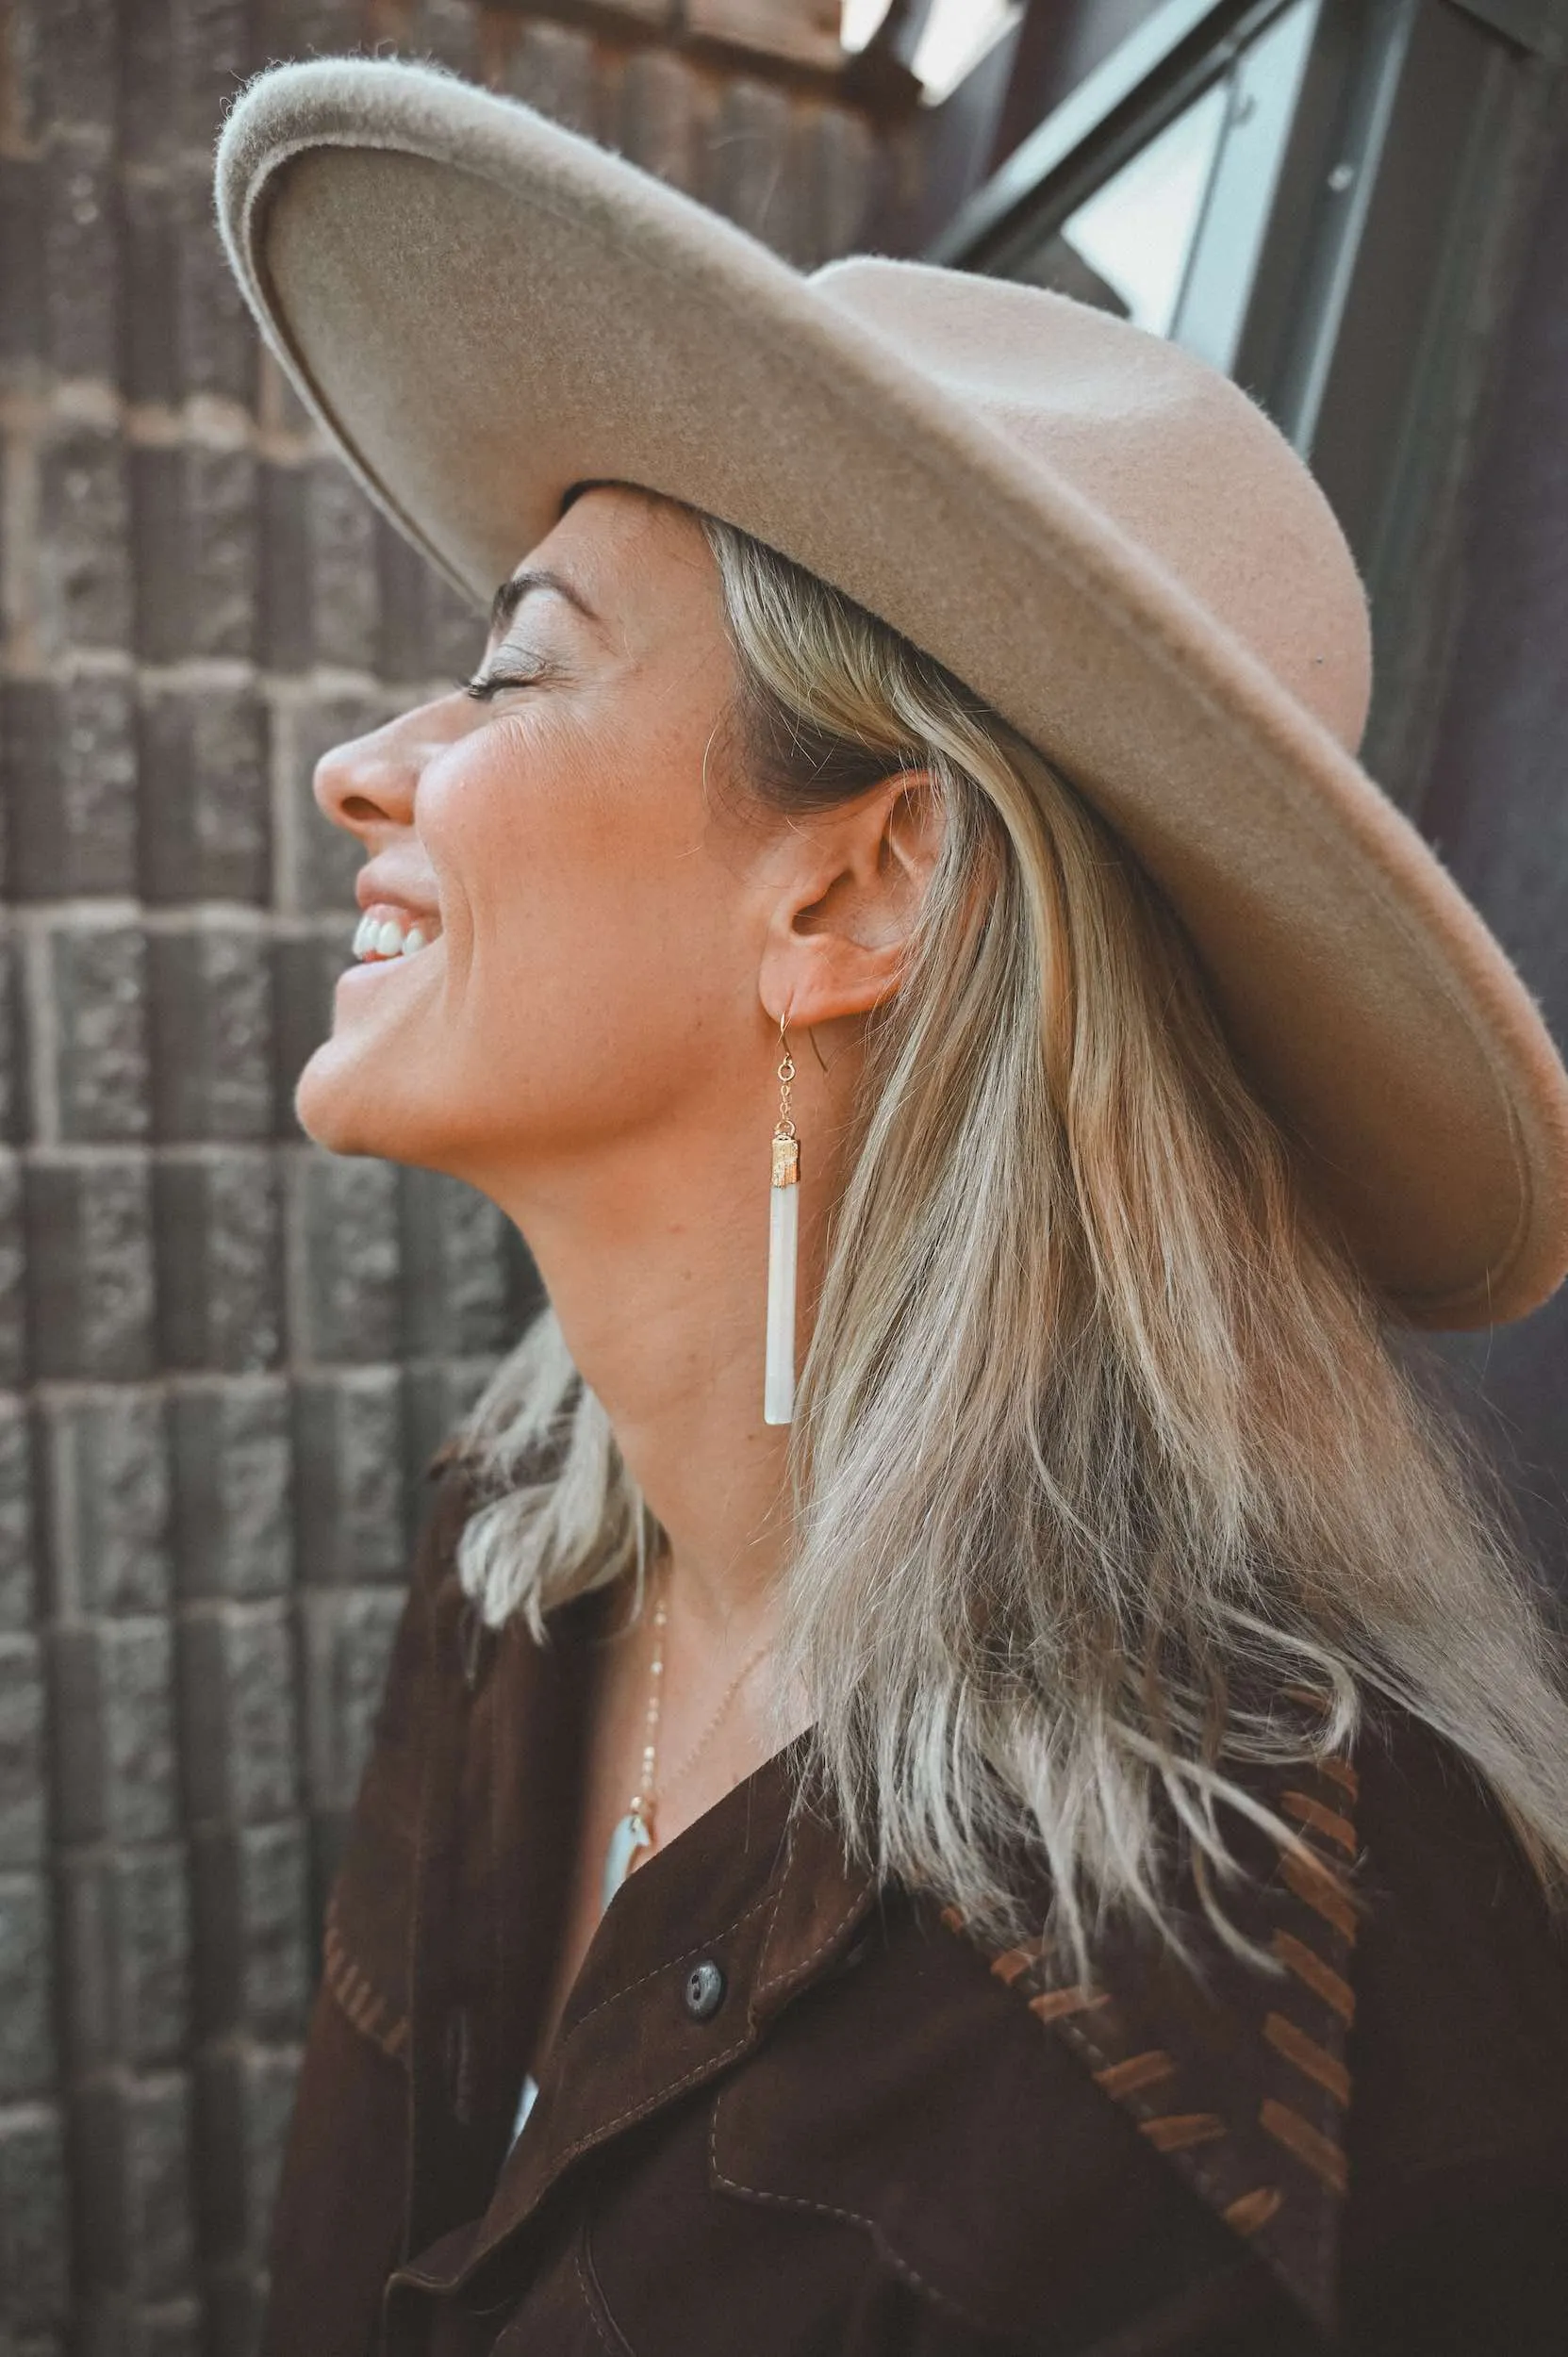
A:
{"points": [[1239, 2081]]}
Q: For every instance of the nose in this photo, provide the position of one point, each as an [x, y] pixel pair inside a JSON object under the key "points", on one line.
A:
{"points": [[366, 785]]}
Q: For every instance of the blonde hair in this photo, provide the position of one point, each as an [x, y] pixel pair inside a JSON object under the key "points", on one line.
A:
{"points": [[1099, 1449]]}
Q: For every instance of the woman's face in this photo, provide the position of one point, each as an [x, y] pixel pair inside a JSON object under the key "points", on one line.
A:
{"points": [[591, 916]]}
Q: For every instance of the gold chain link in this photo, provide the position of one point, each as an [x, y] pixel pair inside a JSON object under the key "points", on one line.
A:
{"points": [[786, 1075]]}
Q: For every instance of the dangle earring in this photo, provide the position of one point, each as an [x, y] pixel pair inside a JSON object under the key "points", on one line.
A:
{"points": [[784, 1228]]}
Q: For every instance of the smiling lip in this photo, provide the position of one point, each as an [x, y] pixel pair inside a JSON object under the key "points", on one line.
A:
{"points": [[390, 929]]}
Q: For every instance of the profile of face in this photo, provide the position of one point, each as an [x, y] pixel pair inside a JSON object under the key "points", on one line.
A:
{"points": [[582, 944]]}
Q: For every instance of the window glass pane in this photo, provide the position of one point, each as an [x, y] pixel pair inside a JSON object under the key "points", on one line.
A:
{"points": [[1263, 92], [956, 35], [858, 20], [1137, 232], [953, 37], [1172, 240]]}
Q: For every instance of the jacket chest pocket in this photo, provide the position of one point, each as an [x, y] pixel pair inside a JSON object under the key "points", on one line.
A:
{"points": [[561, 2315], [672, 2261]]}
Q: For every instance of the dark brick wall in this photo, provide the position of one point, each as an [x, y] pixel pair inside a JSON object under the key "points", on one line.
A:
{"points": [[224, 1356]]}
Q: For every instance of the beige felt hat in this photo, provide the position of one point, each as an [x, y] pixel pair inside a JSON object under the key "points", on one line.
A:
{"points": [[1098, 534]]}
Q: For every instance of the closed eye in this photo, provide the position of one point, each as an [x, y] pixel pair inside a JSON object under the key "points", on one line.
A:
{"points": [[486, 684]]}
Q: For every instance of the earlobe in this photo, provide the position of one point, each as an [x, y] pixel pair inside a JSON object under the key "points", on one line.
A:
{"points": [[845, 920]]}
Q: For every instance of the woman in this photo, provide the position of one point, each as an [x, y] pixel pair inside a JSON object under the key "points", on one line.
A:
{"points": [[1044, 1839]]}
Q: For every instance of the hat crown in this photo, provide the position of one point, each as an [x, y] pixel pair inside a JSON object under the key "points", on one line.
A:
{"points": [[1160, 444]]}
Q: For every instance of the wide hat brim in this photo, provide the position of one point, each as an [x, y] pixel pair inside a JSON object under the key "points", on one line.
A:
{"points": [[482, 310]]}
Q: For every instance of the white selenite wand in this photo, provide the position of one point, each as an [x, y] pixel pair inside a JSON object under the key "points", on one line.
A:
{"points": [[784, 1231]]}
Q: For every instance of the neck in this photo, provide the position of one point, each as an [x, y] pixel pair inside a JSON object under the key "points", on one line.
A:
{"points": [[656, 1262]]}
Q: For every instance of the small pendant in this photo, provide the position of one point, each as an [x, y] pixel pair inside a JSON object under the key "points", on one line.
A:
{"points": [[630, 1836]]}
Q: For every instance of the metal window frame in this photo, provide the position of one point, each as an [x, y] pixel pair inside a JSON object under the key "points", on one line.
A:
{"points": [[1383, 278], [1145, 82]]}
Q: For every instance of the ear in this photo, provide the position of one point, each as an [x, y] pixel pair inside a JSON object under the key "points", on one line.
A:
{"points": [[851, 883]]}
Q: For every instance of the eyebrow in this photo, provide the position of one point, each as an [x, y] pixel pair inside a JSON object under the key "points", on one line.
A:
{"points": [[512, 592]]}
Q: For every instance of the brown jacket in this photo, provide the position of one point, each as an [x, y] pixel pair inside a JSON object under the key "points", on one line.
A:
{"points": [[863, 2133]]}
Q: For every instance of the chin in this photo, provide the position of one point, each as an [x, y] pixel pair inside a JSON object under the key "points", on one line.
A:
{"points": [[339, 1108], [346, 1105]]}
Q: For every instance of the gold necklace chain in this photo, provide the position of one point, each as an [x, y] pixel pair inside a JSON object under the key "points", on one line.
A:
{"points": [[641, 1802]]}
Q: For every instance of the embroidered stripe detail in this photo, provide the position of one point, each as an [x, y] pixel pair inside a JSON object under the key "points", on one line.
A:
{"points": [[1016, 1960], [1307, 2057], [1316, 2153], [1252, 2210], [1056, 2004], [1319, 1977], [1230, 2162], [364, 2007], [1316, 1886], [1178, 2130], [1135, 2072], [1327, 1822]]}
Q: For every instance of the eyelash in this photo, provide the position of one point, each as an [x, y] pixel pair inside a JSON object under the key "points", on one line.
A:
{"points": [[484, 685]]}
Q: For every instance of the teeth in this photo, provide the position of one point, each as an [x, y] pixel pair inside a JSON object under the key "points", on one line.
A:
{"points": [[384, 937]]}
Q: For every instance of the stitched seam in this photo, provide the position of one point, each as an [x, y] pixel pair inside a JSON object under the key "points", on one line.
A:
{"points": [[659, 2095], [1055, 2004], [805, 1962], [668, 1964], [1316, 1974], [1317, 2153], [1314, 2061], [900, 2266], [1318, 1884], [1331, 1822], [593, 2299], [1326, 2238], [1178, 2131], [1095, 2056], [1250, 2211], [1132, 2073]]}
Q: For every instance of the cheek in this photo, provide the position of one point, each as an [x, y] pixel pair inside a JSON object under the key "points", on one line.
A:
{"points": [[593, 934]]}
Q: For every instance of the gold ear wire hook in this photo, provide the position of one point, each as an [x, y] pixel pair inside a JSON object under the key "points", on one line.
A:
{"points": [[787, 1131]]}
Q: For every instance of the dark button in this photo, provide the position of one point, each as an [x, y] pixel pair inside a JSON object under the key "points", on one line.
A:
{"points": [[704, 1991]]}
